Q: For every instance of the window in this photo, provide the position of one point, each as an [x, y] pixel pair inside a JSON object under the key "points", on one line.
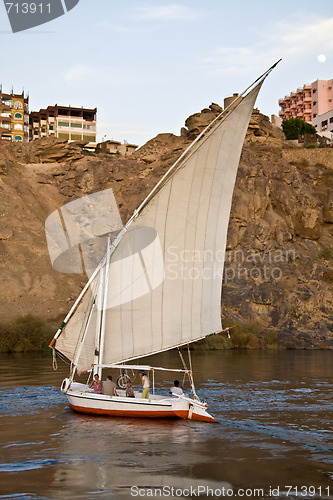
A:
{"points": [[7, 102], [314, 115], [18, 105], [18, 138], [63, 124], [75, 137], [18, 126], [50, 127], [89, 127], [77, 125], [18, 116], [314, 91], [63, 136]]}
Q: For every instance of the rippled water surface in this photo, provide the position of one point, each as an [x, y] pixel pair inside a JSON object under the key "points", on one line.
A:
{"points": [[273, 436]]}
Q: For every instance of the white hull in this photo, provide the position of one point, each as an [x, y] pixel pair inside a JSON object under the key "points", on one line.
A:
{"points": [[84, 401]]}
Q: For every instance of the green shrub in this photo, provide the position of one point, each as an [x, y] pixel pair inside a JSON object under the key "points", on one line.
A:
{"points": [[213, 343], [294, 127], [244, 340], [24, 334], [269, 339], [245, 335]]}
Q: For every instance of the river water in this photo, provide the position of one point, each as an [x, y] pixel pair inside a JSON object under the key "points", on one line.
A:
{"points": [[273, 438]]}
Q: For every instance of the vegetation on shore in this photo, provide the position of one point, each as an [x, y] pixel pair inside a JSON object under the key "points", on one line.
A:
{"points": [[25, 334], [241, 336], [31, 334]]}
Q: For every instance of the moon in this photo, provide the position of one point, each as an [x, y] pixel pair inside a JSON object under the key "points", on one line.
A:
{"points": [[321, 58]]}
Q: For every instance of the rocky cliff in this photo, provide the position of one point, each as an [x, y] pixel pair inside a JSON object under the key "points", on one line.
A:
{"points": [[278, 272]]}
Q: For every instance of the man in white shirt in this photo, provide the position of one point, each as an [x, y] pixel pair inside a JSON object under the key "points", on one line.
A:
{"points": [[176, 390]]}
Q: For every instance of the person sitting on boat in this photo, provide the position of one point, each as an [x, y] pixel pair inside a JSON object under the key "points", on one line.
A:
{"points": [[129, 390], [97, 385], [145, 385], [109, 387], [176, 390]]}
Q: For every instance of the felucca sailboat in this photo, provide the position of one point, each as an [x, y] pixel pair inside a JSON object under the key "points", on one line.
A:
{"points": [[145, 297]]}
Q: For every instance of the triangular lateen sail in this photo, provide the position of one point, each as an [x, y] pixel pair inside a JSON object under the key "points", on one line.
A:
{"points": [[165, 276], [190, 216]]}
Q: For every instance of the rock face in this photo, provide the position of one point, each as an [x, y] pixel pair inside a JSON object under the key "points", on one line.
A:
{"points": [[278, 270], [280, 244]]}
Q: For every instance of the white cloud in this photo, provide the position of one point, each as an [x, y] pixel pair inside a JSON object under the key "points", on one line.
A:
{"points": [[307, 36], [292, 40], [79, 72], [171, 12]]}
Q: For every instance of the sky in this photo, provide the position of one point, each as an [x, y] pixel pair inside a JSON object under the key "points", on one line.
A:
{"points": [[149, 64]]}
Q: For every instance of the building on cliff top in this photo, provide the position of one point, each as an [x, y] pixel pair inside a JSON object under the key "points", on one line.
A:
{"points": [[64, 122], [14, 118], [313, 103], [116, 147]]}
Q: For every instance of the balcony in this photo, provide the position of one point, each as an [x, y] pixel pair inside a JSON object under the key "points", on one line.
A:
{"points": [[8, 103], [7, 126]]}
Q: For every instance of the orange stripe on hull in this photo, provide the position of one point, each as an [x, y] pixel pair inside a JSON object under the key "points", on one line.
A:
{"points": [[181, 413], [125, 413], [203, 418]]}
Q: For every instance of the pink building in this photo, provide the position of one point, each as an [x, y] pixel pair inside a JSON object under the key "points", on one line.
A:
{"points": [[308, 102]]}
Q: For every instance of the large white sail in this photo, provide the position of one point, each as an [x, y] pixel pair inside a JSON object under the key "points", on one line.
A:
{"points": [[78, 339], [165, 275]]}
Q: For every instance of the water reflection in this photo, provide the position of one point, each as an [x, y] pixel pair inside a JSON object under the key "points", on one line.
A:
{"points": [[122, 454]]}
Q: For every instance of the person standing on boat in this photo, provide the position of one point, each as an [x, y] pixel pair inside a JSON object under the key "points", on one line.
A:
{"points": [[97, 385], [109, 387], [145, 385]]}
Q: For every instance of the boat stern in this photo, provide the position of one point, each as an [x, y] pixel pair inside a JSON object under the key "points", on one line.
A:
{"points": [[200, 413], [192, 409]]}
